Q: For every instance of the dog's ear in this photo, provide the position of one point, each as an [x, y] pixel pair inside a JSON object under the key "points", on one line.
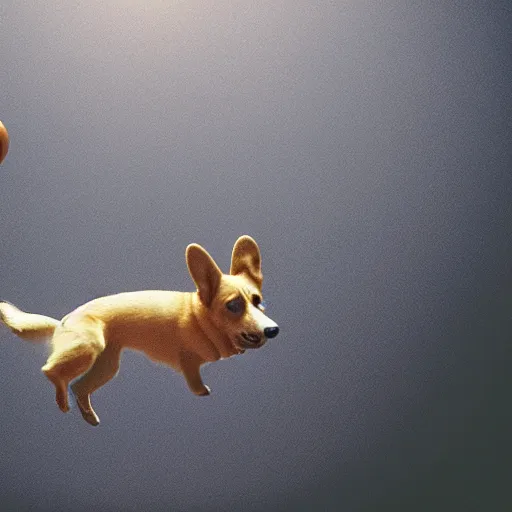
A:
{"points": [[246, 259], [204, 271]]}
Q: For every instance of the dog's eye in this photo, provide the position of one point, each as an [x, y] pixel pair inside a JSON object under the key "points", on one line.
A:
{"points": [[257, 302], [235, 305]]}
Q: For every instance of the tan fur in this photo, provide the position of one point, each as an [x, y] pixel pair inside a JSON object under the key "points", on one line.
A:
{"points": [[182, 330], [4, 142]]}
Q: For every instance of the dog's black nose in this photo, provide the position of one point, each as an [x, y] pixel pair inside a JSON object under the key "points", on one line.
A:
{"points": [[271, 332]]}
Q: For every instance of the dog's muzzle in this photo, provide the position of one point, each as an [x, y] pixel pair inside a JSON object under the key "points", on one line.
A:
{"points": [[265, 328], [254, 340], [271, 332]]}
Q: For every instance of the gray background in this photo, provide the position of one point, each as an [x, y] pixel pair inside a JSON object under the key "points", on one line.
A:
{"points": [[366, 147]]}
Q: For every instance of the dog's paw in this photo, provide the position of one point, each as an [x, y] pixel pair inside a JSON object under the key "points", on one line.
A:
{"points": [[91, 418], [86, 410], [205, 391]]}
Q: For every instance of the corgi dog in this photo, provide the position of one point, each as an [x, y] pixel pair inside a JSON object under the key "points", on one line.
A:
{"points": [[223, 317]]}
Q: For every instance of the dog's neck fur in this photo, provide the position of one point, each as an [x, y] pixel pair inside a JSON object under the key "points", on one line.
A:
{"points": [[219, 345]]}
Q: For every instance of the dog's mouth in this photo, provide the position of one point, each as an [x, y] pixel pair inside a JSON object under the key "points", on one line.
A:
{"points": [[250, 340]]}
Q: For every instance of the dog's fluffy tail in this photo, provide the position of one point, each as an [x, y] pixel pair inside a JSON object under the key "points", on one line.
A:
{"points": [[27, 325]]}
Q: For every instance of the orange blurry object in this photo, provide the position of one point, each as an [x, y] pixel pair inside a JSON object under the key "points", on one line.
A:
{"points": [[4, 142]]}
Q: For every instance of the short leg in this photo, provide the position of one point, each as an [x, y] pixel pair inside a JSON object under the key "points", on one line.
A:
{"points": [[190, 364], [105, 368], [73, 353]]}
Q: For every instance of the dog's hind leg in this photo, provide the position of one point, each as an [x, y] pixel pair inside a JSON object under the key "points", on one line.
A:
{"points": [[75, 348], [104, 368]]}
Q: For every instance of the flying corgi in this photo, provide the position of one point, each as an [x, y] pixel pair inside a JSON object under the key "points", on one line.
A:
{"points": [[183, 330]]}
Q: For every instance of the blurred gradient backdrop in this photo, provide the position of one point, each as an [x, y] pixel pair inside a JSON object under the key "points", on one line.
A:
{"points": [[366, 146]]}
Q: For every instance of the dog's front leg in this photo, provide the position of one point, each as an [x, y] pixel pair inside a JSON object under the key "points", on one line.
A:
{"points": [[190, 364]]}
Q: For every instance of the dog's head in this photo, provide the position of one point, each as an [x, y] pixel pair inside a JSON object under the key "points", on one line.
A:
{"points": [[234, 300]]}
